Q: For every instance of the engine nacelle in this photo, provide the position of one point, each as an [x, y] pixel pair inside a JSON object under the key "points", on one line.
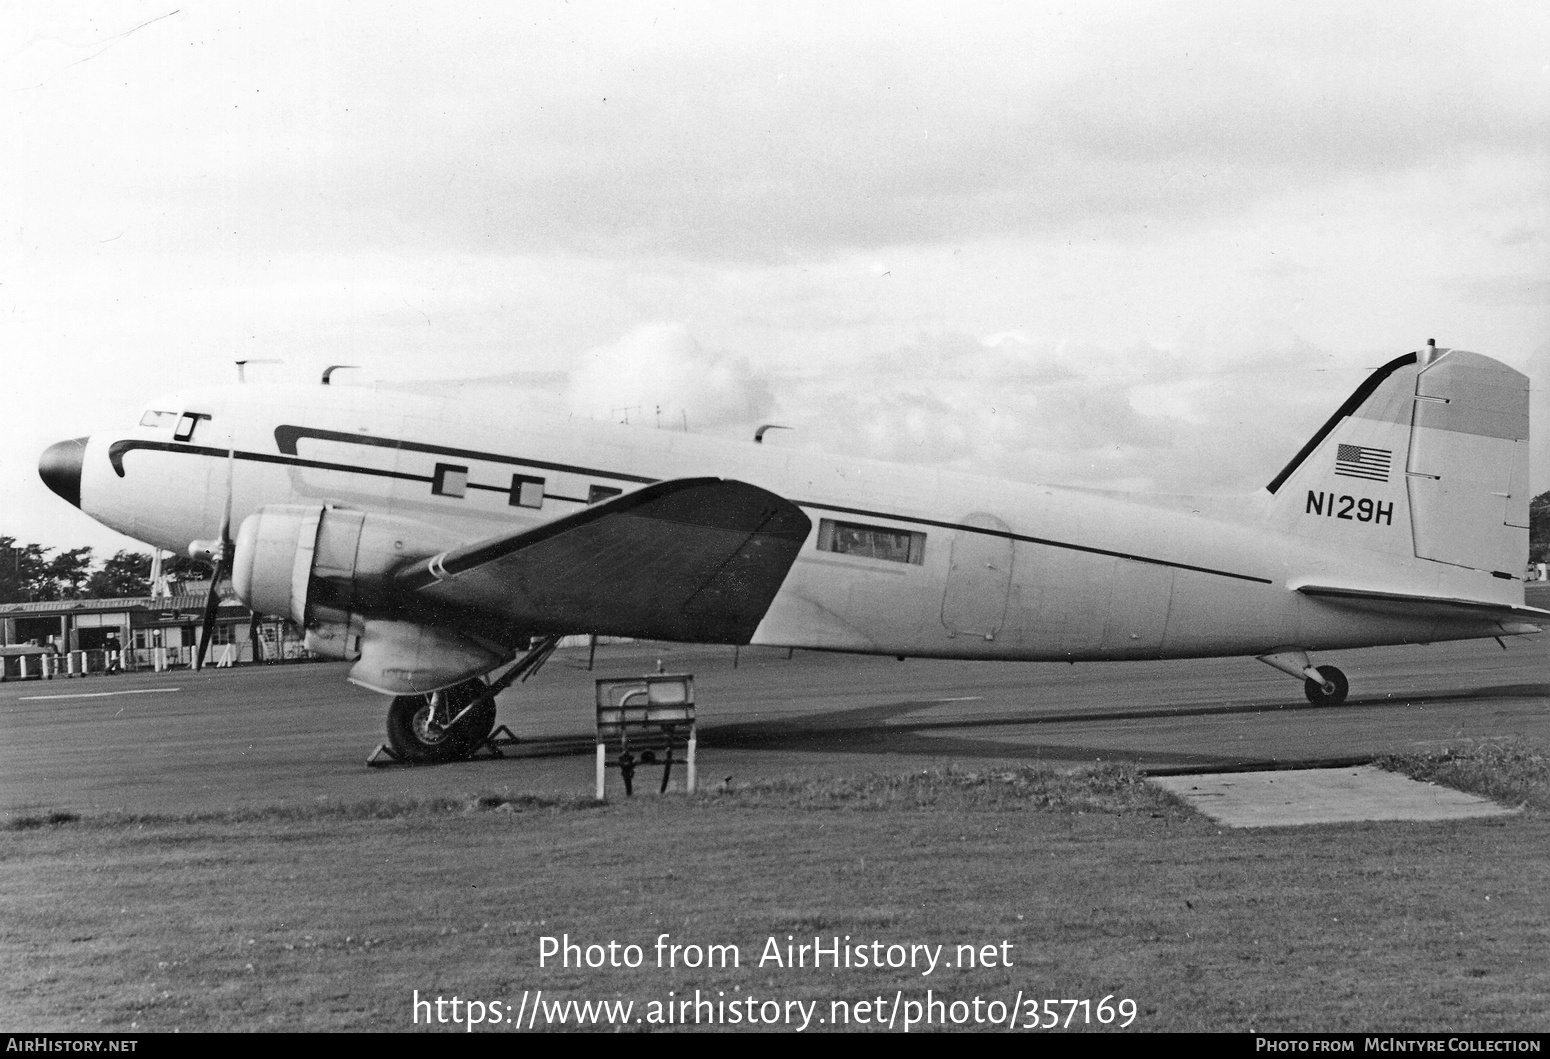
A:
{"points": [[403, 658], [339, 640], [325, 567]]}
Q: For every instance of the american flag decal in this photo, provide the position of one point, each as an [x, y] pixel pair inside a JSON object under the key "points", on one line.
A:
{"points": [[1357, 461]]}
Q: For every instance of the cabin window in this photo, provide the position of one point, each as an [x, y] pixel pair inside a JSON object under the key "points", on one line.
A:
{"points": [[526, 492], [872, 542], [159, 420], [599, 493], [450, 480], [186, 424]]}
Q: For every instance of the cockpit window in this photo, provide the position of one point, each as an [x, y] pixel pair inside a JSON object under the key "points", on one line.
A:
{"points": [[186, 424], [165, 420]]}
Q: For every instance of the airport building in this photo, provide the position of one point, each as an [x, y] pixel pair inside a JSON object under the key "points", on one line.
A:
{"points": [[80, 637], [100, 635]]}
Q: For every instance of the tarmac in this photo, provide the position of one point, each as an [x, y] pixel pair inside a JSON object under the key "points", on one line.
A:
{"points": [[181, 742]]}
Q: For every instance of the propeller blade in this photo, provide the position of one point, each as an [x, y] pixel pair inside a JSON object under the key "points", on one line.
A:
{"points": [[207, 629], [231, 482], [221, 560]]}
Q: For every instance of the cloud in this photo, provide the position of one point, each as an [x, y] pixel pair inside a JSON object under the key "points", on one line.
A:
{"points": [[658, 373], [1060, 244], [752, 135], [1037, 410], [1506, 290]]}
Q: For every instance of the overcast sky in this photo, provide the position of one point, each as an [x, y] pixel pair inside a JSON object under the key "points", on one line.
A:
{"points": [[1136, 245]]}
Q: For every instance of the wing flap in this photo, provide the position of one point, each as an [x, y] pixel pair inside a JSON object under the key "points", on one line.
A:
{"points": [[696, 560]]}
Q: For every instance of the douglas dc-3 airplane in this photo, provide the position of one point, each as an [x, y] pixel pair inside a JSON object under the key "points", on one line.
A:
{"points": [[430, 540]]}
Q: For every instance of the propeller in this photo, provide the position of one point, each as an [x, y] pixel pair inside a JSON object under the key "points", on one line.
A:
{"points": [[218, 553]]}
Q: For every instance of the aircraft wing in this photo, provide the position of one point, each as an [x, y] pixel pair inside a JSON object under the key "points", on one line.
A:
{"points": [[694, 559], [1409, 604]]}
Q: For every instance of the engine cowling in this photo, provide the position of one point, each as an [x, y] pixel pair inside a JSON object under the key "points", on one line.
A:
{"points": [[328, 570], [322, 565]]}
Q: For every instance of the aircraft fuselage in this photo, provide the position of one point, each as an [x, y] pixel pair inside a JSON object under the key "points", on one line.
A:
{"points": [[901, 560]]}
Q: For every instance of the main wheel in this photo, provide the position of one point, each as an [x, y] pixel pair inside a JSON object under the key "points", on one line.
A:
{"points": [[1316, 693], [415, 738]]}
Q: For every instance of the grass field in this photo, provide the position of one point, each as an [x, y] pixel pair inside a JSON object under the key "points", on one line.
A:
{"points": [[1092, 883]]}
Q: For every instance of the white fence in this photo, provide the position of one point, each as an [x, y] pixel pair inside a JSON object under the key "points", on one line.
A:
{"points": [[67, 664]]}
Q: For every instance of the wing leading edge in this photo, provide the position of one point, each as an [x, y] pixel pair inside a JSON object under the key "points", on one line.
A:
{"points": [[695, 559]]}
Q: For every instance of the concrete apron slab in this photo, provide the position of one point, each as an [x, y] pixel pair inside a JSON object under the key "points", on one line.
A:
{"points": [[1322, 796]]}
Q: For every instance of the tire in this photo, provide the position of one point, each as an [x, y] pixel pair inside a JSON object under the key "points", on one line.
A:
{"points": [[1319, 697], [415, 742]]}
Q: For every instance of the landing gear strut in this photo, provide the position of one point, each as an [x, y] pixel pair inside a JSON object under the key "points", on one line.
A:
{"points": [[1325, 686], [450, 724]]}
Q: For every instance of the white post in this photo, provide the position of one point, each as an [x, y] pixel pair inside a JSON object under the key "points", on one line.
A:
{"points": [[71, 669], [602, 769], [160, 659], [23, 660], [48, 667], [689, 779]]}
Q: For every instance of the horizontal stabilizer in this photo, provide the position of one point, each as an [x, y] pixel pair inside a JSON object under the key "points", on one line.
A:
{"points": [[695, 560], [1443, 608]]}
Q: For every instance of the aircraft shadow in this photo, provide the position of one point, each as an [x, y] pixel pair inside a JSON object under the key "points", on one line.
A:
{"points": [[886, 729]]}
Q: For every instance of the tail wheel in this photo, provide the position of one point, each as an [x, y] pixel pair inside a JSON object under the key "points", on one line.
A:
{"points": [[415, 735], [1318, 696]]}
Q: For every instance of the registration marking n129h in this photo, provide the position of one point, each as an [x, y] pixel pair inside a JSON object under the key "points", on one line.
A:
{"points": [[1351, 508]]}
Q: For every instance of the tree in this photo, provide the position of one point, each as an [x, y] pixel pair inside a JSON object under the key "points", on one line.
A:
{"points": [[127, 574], [1539, 529], [24, 573], [68, 571], [184, 568]]}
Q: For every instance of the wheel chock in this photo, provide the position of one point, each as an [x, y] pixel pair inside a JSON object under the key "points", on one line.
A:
{"points": [[502, 736], [382, 756]]}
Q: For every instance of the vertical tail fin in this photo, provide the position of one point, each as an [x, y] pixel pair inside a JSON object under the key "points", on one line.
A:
{"points": [[1429, 457]]}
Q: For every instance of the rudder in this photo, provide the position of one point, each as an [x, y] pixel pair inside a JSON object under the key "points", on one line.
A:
{"points": [[1467, 476]]}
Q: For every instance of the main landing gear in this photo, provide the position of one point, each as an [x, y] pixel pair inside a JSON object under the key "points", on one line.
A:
{"points": [[450, 724], [441, 726], [1324, 686]]}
